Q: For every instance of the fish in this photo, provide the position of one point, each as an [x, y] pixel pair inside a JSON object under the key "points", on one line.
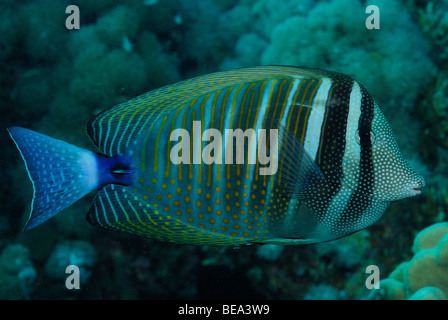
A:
{"points": [[267, 154]]}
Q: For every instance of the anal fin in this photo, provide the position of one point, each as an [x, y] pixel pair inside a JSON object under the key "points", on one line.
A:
{"points": [[120, 208]]}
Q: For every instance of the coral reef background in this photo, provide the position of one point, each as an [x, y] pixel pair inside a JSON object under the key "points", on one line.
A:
{"points": [[54, 80]]}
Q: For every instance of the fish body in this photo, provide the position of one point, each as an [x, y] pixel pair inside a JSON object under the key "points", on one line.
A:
{"points": [[257, 155]]}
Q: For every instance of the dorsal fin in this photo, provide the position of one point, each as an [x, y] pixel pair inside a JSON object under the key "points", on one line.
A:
{"points": [[114, 129]]}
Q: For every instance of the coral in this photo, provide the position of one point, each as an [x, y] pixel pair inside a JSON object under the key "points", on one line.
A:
{"points": [[270, 14], [429, 266], [349, 252], [32, 90], [424, 276], [270, 251], [162, 68], [13, 27], [434, 110], [44, 37], [112, 63], [248, 51], [434, 22], [204, 49], [104, 74], [430, 237], [429, 293], [92, 8], [75, 252], [118, 23], [323, 292], [16, 273], [164, 16], [319, 39], [391, 289]]}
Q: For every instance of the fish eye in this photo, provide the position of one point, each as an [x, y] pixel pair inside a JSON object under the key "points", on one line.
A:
{"points": [[358, 139]]}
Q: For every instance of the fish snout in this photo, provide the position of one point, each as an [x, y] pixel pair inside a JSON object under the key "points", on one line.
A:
{"points": [[414, 188]]}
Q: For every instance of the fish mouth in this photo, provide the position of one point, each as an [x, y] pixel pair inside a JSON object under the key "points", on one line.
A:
{"points": [[411, 190], [416, 188]]}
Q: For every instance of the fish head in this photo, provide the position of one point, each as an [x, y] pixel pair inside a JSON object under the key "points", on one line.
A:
{"points": [[375, 165], [394, 178]]}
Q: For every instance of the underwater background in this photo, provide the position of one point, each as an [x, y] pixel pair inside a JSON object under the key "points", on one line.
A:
{"points": [[53, 80]]}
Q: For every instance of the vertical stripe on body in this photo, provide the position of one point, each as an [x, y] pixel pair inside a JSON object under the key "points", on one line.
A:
{"points": [[316, 117], [330, 152], [336, 211], [360, 200]]}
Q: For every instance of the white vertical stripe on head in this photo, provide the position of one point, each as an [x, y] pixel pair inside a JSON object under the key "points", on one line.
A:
{"points": [[352, 155], [316, 117], [352, 150], [354, 113]]}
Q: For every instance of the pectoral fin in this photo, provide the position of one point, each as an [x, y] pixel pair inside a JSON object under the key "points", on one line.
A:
{"points": [[298, 173]]}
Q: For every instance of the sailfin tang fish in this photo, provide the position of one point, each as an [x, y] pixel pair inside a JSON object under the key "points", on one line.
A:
{"points": [[256, 155]]}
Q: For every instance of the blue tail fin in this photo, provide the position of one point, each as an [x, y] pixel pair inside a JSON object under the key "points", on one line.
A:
{"points": [[61, 173]]}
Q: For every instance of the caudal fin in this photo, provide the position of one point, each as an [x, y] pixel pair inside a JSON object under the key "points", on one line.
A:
{"points": [[61, 173]]}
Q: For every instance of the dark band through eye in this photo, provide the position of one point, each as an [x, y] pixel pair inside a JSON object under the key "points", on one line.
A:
{"points": [[358, 138]]}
